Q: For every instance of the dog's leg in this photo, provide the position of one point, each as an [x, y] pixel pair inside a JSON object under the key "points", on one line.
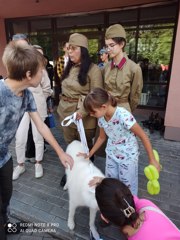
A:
{"points": [[72, 209], [92, 217]]}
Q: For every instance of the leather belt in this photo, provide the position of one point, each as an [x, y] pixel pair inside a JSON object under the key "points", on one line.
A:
{"points": [[121, 100], [69, 99]]}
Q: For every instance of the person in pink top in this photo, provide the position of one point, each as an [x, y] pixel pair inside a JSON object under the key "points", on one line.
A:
{"points": [[138, 219]]}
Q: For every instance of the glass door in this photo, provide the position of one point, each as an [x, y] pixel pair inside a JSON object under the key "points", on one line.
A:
{"points": [[153, 54]]}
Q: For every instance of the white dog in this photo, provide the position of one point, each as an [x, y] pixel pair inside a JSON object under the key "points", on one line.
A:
{"points": [[80, 194]]}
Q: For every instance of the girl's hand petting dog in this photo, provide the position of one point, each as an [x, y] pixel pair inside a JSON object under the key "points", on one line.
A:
{"points": [[85, 155], [95, 181]]}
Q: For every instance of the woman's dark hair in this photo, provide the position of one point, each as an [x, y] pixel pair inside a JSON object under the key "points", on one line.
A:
{"points": [[96, 98], [112, 197], [119, 40], [84, 67]]}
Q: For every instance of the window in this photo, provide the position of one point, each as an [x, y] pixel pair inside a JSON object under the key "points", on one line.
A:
{"points": [[149, 44], [153, 55], [20, 27]]}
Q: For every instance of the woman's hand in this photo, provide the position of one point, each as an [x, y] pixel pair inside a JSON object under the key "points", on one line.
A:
{"points": [[95, 181], [78, 115]]}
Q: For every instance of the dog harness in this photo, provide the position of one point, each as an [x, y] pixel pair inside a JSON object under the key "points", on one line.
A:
{"points": [[72, 119]]}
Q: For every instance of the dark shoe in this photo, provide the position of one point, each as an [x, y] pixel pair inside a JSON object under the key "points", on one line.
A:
{"points": [[15, 227], [31, 160], [63, 181]]}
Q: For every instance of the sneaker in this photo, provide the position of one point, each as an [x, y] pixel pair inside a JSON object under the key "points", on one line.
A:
{"points": [[15, 227], [38, 170], [18, 171], [63, 181], [31, 159]]}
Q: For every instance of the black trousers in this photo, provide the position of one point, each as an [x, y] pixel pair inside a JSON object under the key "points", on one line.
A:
{"points": [[5, 194], [30, 146]]}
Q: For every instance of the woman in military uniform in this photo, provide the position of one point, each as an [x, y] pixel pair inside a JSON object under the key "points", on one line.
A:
{"points": [[79, 77], [122, 77]]}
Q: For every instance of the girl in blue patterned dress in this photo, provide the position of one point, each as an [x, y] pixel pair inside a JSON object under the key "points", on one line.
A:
{"points": [[121, 128]]}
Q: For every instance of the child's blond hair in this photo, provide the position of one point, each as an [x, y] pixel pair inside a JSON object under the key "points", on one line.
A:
{"points": [[21, 58]]}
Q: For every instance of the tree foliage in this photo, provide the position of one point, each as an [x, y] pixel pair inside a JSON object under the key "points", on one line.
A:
{"points": [[154, 45]]}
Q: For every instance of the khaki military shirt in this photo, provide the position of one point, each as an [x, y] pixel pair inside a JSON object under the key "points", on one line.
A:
{"points": [[124, 83], [73, 90]]}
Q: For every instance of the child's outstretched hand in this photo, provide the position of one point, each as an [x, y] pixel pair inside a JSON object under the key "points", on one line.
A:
{"points": [[66, 160], [95, 181], [85, 155]]}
